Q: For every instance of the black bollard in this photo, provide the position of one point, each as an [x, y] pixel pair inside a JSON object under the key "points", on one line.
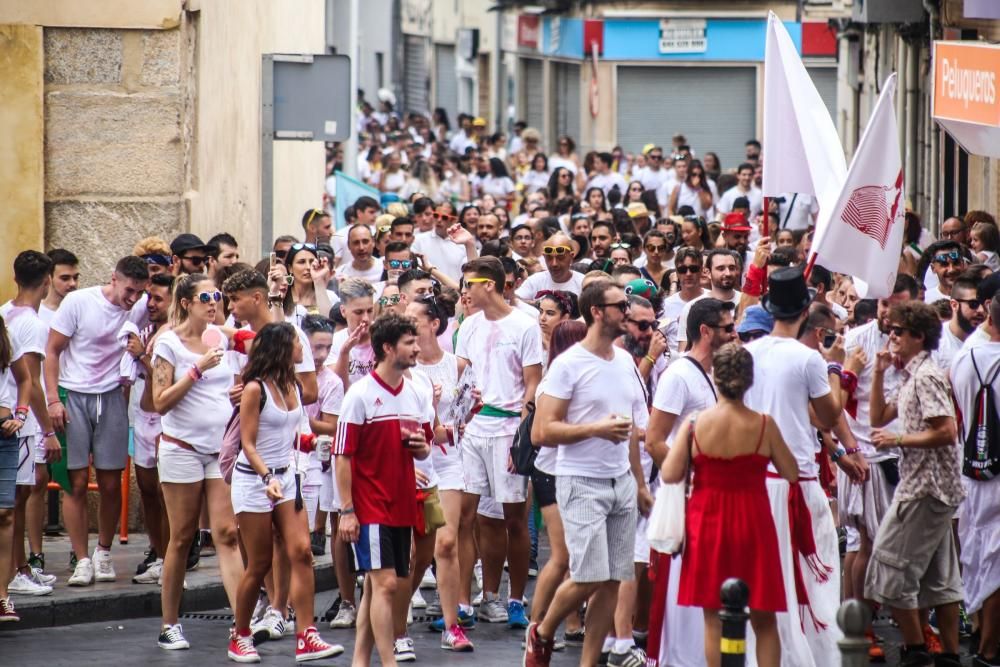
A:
{"points": [[734, 616]]}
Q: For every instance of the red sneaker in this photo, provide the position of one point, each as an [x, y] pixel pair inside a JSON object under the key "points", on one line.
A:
{"points": [[454, 639], [241, 649], [537, 651], [309, 646], [7, 613], [932, 641]]}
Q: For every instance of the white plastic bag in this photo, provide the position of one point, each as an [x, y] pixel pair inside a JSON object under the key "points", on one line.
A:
{"points": [[665, 528]]}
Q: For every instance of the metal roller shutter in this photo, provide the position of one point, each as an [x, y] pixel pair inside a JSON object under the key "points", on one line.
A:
{"points": [[446, 81], [534, 112], [714, 107], [415, 73], [567, 107], [825, 80]]}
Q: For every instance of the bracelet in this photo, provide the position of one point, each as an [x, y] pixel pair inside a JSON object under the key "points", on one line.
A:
{"points": [[836, 456], [50, 434], [197, 372], [650, 359], [834, 368], [22, 408], [267, 477], [899, 440], [852, 450], [52, 403], [347, 510]]}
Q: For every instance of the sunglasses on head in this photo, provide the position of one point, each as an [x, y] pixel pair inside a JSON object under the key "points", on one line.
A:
{"points": [[644, 325], [953, 257], [208, 297], [473, 281], [156, 258], [556, 249], [389, 300], [400, 264], [619, 245]]}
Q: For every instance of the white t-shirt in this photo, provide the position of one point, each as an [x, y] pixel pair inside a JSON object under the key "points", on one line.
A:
{"points": [[683, 389], [674, 305], [869, 338], [8, 386], [978, 337], [538, 282], [237, 360], [200, 417], [372, 275], [556, 161], [682, 319], [965, 384], [688, 196], [442, 253], [725, 204], [27, 331], [498, 188], [583, 378], [534, 181], [786, 376], [652, 179], [91, 361], [802, 214], [498, 351], [425, 386], [362, 357], [46, 314], [948, 347], [606, 182]]}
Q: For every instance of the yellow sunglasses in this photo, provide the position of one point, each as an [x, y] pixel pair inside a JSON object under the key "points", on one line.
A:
{"points": [[479, 280], [556, 250]]}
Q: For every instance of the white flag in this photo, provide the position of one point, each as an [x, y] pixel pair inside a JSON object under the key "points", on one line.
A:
{"points": [[802, 152], [862, 234]]}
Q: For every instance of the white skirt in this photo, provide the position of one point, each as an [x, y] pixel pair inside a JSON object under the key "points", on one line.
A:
{"points": [[979, 536], [863, 505]]}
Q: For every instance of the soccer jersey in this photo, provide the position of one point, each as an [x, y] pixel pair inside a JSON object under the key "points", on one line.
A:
{"points": [[383, 486]]}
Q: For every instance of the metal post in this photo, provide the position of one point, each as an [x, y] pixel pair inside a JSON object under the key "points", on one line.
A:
{"points": [[53, 527], [854, 617], [734, 616], [351, 145], [267, 153]]}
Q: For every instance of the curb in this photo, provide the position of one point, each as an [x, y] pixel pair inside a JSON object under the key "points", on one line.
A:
{"points": [[50, 611]]}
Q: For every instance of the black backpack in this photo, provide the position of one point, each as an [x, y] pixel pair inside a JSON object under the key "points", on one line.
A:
{"points": [[522, 452], [981, 460]]}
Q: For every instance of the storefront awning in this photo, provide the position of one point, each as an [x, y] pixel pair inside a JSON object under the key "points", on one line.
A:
{"points": [[967, 94]]}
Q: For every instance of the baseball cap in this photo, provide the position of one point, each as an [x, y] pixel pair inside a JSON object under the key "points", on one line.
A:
{"points": [[756, 319], [479, 122], [186, 241]]}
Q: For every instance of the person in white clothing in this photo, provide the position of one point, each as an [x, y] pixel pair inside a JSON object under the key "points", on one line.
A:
{"points": [[83, 358], [65, 278], [977, 522], [351, 354], [603, 177], [558, 252], [264, 489], [967, 314], [724, 274], [504, 348], [744, 188], [789, 379], [190, 391], [796, 211], [360, 243], [445, 247]]}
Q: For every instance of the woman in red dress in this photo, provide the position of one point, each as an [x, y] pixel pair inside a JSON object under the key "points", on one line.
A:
{"points": [[729, 530]]}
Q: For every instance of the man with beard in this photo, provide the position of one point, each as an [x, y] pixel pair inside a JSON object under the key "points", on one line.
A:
{"points": [[724, 275], [602, 235], [744, 188], [967, 313], [684, 388], [862, 506], [947, 261], [736, 235], [597, 476], [644, 341], [488, 228]]}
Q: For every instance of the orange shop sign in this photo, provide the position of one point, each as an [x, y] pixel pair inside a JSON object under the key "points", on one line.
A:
{"points": [[966, 82]]}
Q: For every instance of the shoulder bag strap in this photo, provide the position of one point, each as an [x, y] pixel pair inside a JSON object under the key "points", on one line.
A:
{"points": [[704, 374], [791, 206]]}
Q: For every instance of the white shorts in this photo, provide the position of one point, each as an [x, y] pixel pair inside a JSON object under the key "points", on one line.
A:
{"points": [[145, 433], [178, 465], [490, 508], [641, 552], [250, 495], [853, 539], [310, 494], [26, 460], [329, 495], [448, 466], [40, 451], [484, 460]]}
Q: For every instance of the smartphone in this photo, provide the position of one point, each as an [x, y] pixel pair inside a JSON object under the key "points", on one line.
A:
{"points": [[829, 340], [272, 259]]}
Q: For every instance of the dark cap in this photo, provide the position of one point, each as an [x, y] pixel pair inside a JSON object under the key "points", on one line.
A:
{"points": [[185, 242], [787, 293]]}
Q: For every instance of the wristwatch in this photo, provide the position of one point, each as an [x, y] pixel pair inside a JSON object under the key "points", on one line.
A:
{"points": [[267, 477]]}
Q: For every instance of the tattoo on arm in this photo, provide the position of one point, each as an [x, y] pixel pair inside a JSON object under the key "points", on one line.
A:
{"points": [[163, 374]]}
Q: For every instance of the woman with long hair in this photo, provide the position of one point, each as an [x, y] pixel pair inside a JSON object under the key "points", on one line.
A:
{"points": [[560, 184], [310, 274], [633, 193], [565, 155], [469, 217], [713, 167], [191, 392], [554, 308], [537, 176], [498, 184], [695, 192], [694, 233], [729, 531], [264, 490], [422, 179], [659, 259], [595, 197]]}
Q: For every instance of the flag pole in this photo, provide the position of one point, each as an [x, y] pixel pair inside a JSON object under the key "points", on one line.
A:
{"points": [[809, 265]]}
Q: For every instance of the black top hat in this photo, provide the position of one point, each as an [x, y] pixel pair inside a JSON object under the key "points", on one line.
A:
{"points": [[787, 293]]}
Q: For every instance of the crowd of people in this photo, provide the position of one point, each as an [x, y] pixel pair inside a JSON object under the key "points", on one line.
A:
{"points": [[506, 343]]}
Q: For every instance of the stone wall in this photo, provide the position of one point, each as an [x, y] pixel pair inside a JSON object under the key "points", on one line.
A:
{"points": [[114, 154]]}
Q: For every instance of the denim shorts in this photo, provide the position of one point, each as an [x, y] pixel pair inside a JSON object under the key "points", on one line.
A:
{"points": [[8, 471]]}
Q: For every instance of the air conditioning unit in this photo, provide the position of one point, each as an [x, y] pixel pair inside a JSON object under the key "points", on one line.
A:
{"points": [[888, 11]]}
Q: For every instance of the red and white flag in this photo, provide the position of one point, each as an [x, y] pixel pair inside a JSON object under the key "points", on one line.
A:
{"points": [[862, 233], [802, 152]]}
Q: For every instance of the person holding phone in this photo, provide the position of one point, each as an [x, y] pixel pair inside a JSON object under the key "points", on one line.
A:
{"points": [[263, 486], [384, 425], [310, 274]]}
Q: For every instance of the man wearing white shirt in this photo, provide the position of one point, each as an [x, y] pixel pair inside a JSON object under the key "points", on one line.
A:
{"points": [[558, 252], [603, 177], [365, 209], [797, 211], [688, 266], [674, 176], [967, 313], [654, 175], [744, 188], [446, 251], [600, 487], [724, 274], [361, 243], [947, 261]]}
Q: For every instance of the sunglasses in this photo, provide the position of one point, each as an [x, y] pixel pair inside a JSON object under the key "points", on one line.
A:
{"points": [[312, 215], [156, 258], [508, 284], [687, 268], [748, 336], [620, 305], [556, 250], [384, 229], [445, 216], [622, 246], [390, 300], [281, 254], [655, 157], [643, 325], [898, 331], [953, 257], [653, 247], [728, 328], [974, 304], [197, 260], [473, 281], [209, 297], [400, 264]]}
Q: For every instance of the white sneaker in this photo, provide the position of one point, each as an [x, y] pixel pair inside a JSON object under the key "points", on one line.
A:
{"points": [[103, 566], [418, 601], [428, 581], [172, 638], [478, 600], [346, 616], [83, 575], [270, 627], [151, 575], [42, 578], [24, 585], [478, 572], [403, 651]]}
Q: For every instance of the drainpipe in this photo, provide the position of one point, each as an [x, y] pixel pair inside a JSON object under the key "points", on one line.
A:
{"points": [[934, 162], [912, 108]]}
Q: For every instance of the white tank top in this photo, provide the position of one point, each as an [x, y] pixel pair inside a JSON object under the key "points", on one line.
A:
{"points": [[275, 431]]}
